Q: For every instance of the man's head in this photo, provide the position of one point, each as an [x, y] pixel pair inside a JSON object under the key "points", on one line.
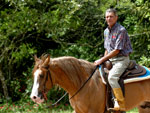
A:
{"points": [[111, 17]]}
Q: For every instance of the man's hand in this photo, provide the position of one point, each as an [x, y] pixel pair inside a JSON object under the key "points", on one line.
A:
{"points": [[106, 57], [98, 62]]}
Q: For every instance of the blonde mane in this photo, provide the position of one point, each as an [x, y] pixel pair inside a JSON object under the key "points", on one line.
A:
{"points": [[77, 70]]}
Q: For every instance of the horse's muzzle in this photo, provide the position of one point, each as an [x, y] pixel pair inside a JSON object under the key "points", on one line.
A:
{"points": [[38, 99]]}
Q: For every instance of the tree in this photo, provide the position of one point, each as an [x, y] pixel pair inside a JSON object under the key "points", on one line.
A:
{"points": [[62, 27]]}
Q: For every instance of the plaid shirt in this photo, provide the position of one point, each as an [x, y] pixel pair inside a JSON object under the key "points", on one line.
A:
{"points": [[117, 38]]}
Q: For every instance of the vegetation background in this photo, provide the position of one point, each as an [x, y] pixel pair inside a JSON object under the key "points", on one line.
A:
{"points": [[60, 28]]}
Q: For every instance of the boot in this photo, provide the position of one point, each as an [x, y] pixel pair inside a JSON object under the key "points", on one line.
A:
{"points": [[119, 104]]}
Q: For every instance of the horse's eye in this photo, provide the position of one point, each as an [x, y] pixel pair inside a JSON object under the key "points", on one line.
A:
{"points": [[41, 76]]}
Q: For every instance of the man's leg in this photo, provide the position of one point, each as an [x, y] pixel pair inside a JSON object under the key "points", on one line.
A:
{"points": [[119, 66]]}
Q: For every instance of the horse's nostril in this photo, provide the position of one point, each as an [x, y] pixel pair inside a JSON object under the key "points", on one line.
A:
{"points": [[34, 97]]}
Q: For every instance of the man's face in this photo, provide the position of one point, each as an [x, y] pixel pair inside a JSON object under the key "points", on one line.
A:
{"points": [[111, 19]]}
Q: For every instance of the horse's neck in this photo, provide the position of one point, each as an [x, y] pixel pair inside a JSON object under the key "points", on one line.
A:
{"points": [[70, 77]]}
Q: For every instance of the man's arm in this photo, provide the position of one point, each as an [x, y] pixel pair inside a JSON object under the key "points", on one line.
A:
{"points": [[107, 56], [106, 52]]}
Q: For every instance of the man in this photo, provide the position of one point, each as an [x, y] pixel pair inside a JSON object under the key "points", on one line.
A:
{"points": [[117, 49]]}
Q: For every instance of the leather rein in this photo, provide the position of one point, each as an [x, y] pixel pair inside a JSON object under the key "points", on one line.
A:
{"points": [[49, 75]]}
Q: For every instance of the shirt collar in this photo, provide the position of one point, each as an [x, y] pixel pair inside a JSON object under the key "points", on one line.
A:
{"points": [[113, 27]]}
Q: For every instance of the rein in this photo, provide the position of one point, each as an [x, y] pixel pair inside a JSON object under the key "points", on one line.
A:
{"points": [[76, 91], [84, 83]]}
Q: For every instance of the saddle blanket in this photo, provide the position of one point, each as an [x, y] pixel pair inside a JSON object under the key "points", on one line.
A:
{"points": [[130, 80]]}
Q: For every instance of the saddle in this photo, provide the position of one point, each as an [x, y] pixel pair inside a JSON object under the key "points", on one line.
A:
{"points": [[133, 70]]}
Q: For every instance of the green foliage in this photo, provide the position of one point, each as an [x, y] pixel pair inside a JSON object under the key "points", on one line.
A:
{"points": [[62, 27], [25, 107], [78, 51], [24, 52], [145, 61]]}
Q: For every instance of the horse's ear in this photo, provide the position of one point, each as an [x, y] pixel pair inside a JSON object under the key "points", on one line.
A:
{"points": [[36, 58], [47, 61]]}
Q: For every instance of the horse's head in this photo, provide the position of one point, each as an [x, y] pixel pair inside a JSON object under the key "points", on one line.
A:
{"points": [[42, 79]]}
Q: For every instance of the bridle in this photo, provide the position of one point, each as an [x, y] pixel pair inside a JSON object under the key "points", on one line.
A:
{"points": [[47, 75]]}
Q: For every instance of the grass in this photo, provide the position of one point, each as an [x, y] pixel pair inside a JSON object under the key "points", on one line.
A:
{"points": [[30, 107], [133, 111]]}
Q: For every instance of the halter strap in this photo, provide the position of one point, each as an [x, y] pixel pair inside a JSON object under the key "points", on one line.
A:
{"points": [[50, 76]]}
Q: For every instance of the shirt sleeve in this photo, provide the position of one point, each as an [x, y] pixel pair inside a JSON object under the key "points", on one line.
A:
{"points": [[105, 40], [121, 40]]}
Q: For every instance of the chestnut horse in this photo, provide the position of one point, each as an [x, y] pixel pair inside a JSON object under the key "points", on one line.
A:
{"points": [[70, 74]]}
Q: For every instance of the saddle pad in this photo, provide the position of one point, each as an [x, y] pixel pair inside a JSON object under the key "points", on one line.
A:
{"points": [[139, 78], [130, 80]]}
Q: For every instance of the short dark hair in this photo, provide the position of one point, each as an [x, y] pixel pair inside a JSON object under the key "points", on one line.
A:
{"points": [[112, 10]]}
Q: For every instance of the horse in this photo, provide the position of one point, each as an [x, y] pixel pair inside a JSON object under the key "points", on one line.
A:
{"points": [[70, 74]]}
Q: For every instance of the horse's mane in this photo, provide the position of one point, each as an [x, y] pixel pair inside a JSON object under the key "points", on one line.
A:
{"points": [[70, 63], [77, 70]]}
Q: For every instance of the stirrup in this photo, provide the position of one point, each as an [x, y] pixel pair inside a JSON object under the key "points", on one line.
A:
{"points": [[116, 106]]}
